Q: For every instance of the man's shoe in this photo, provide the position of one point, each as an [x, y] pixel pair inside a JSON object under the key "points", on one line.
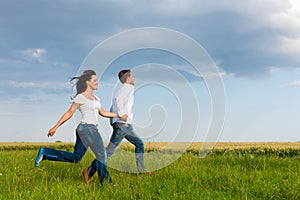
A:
{"points": [[39, 157], [145, 174], [86, 178]]}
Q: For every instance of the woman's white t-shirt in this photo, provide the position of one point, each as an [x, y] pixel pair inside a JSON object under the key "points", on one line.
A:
{"points": [[88, 108]]}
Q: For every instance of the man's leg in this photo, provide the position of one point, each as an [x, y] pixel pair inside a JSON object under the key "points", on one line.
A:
{"points": [[118, 135], [139, 148]]}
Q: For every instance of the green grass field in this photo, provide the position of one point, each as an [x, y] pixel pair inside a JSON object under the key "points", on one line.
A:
{"points": [[230, 171]]}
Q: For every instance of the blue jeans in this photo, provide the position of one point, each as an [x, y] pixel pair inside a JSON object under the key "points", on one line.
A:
{"points": [[91, 138], [65, 156], [87, 135], [121, 131]]}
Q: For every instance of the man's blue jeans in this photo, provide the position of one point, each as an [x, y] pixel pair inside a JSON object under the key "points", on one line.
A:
{"points": [[121, 131]]}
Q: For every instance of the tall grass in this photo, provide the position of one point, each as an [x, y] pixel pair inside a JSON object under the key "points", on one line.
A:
{"points": [[220, 175]]}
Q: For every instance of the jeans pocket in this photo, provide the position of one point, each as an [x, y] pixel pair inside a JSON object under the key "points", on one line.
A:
{"points": [[79, 129]]}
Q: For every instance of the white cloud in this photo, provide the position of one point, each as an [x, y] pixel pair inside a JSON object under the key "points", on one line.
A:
{"points": [[288, 46], [11, 114], [41, 85], [293, 84], [287, 23], [30, 91], [36, 54], [295, 7], [234, 31], [26, 99], [214, 72], [195, 7]]}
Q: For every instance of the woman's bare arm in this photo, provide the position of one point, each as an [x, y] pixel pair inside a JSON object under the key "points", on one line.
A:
{"points": [[63, 119], [107, 114]]}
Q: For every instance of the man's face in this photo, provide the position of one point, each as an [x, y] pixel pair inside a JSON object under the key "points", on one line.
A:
{"points": [[130, 79]]}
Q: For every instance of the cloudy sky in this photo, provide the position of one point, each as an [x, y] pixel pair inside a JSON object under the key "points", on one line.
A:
{"points": [[254, 44]]}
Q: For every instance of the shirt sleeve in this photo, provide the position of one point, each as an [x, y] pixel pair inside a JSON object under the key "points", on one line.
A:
{"points": [[122, 100], [80, 99], [98, 100]]}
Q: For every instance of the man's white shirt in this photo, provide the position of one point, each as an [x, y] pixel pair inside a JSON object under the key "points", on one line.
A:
{"points": [[122, 103]]}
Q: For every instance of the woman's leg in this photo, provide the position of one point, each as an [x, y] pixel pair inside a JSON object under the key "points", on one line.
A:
{"points": [[91, 138], [103, 173], [63, 156]]}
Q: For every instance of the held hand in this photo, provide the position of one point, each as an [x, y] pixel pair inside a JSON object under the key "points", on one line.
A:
{"points": [[51, 132], [124, 118]]}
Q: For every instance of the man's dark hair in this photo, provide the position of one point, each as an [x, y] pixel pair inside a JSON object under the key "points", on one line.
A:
{"points": [[124, 74]]}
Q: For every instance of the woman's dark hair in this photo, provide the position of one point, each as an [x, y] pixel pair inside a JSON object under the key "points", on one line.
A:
{"points": [[81, 81]]}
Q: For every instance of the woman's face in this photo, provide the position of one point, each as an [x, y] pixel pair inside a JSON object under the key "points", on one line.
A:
{"points": [[93, 83]]}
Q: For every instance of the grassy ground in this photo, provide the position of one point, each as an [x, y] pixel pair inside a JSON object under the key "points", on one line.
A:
{"points": [[257, 171]]}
